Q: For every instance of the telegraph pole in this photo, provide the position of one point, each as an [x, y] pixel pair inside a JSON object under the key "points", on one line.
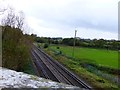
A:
{"points": [[74, 41]]}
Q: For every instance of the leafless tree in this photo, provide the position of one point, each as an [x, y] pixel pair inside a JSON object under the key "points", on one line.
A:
{"points": [[9, 19], [13, 19], [2, 11], [20, 20]]}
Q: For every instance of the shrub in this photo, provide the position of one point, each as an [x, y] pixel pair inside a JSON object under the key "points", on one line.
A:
{"points": [[15, 49], [45, 45], [58, 47]]}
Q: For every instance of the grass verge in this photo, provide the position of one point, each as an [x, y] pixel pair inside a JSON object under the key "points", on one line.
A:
{"points": [[92, 79], [29, 68]]}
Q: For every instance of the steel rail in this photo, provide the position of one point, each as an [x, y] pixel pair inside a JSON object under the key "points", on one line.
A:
{"points": [[59, 71]]}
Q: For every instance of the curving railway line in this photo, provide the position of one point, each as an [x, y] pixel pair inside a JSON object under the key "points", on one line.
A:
{"points": [[49, 68]]}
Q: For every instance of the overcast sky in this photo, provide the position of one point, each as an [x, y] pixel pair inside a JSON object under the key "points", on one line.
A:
{"points": [[60, 18]]}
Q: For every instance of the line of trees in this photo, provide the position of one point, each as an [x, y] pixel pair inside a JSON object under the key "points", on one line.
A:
{"points": [[94, 43]]}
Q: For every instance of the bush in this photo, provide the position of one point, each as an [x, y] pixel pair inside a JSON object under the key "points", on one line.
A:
{"points": [[16, 51], [45, 45], [58, 47], [60, 52]]}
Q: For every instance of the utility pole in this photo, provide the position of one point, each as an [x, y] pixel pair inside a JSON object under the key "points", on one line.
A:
{"points": [[74, 41]]}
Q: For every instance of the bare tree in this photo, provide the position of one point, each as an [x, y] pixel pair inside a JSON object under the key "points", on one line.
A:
{"points": [[2, 11], [2, 7], [14, 19], [9, 18], [20, 20]]}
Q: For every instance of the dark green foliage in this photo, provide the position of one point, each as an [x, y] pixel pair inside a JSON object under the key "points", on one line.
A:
{"points": [[60, 52], [101, 80], [101, 43], [45, 45], [41, 40], [48, 40], [58, 47], [15, 49], [95, 43]]}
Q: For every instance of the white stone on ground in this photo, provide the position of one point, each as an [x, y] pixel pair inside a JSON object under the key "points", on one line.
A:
{"points": [[13, 79]]}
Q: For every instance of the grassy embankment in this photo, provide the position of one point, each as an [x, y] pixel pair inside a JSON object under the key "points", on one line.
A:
{"points": [[73, 65]]}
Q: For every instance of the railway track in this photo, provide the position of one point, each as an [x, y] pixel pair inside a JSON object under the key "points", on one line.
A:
{"points": [[51, 69]]}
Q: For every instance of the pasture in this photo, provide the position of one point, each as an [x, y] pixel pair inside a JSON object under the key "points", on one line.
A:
{"points": [[108, 58]]}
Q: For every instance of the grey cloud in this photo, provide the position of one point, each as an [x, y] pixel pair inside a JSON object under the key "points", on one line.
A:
{"points": [[76, 14], [92, 14]]}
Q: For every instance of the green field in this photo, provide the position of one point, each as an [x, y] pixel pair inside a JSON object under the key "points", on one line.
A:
{"points": [[102, 57]]}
